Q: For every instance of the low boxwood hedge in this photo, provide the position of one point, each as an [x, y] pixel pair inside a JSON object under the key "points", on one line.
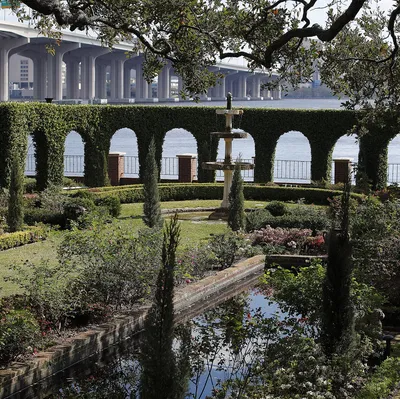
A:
{"points": [[187, 191], [12, 240]]}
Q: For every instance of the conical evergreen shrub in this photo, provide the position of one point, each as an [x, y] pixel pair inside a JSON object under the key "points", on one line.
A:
{"points": [[236, 215], [151, 206], [15, 215]]}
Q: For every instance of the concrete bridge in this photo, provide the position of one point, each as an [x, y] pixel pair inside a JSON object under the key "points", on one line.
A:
{"points": [[82, 69]]}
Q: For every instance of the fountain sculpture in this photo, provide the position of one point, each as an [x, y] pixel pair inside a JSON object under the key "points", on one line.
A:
{"points": [[227, 165]]}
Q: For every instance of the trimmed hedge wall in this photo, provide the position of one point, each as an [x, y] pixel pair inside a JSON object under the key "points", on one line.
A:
{"points": [[49, 124], [180, 192], [12, 240]]}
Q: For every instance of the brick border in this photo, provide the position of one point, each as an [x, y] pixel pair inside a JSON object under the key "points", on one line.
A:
{"points": [[188, 301]]}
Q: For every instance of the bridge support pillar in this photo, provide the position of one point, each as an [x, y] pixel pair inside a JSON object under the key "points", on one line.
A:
{"points": [[72, 79], [164, 84], [255, 88], [5, 47], [39, 78], [117, 78]]}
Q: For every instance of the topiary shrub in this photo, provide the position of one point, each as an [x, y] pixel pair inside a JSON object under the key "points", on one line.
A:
{"points": [[112, 204], [277, 208], [77, 207]]}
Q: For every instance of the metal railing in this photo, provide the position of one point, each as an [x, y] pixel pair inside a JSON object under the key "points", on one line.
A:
{"points": [[393, 173], [169, 167], [284, 170], [292, 170], [74, 165], [131, 166]]}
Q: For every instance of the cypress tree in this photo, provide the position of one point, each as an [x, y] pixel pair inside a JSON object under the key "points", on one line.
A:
{"points": [[151, 206], [15, 215], [157, 357], [337, 330], [236, 215]]}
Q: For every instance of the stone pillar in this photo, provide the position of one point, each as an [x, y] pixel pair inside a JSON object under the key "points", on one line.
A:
{"points": [[187, 167], [5, 46], [255, 88], [117, 78], [343, 166], [141, 84], [116, 163], [39, 78], [127, 80], [242, 88], [101, 91], [164, 84], [72, 79]]}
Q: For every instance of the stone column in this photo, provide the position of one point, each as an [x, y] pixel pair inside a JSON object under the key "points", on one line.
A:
{"points": [[72, 83], [117, 78], [187, 167], [39, 78], [164, 84], [54, 70], [5, 47], [116, 163], [255, 88], [343, 166], [101, 91], [127, 80]]}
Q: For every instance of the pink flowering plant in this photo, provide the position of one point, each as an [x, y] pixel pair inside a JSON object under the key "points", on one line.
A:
{"points": [[293, 240]]}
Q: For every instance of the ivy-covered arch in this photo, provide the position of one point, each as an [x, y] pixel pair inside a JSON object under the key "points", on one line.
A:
{"points": [[50, 124]]}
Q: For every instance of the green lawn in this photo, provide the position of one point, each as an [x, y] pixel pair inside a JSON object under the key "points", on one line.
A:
{"points": [[192, 231]]}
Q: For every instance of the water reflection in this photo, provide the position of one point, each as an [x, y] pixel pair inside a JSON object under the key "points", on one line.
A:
{"points": [[197, 360]]}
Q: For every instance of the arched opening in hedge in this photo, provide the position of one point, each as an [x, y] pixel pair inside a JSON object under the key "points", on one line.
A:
{"points": [[124, 141], [74, 164], [394, 161], [346, 147], [292, 162], [176, 142], [243, 148], [30, 164]]}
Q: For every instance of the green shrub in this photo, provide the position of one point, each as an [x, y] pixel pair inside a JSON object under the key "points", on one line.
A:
{"points": [[112, 204], [84, 194], [277, 208], [382, 382], [15, 215], [77, 207], [256, 219], [301, 217], [29, 185], [225, 248], [19, 332], [189, 191], [236, 215], [33, 216], [18, 238]]}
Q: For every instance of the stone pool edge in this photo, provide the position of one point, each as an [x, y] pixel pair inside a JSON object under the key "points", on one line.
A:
{"points": [[22, 375]]}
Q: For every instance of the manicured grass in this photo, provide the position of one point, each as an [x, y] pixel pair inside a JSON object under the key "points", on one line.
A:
{"points": [[31, 252], [192, 232]]}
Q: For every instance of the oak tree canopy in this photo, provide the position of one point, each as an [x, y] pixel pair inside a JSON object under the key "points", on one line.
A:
{"points": [[193, 35]]}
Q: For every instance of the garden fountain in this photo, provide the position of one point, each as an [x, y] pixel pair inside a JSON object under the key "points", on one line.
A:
{"points": [[227, 165]]}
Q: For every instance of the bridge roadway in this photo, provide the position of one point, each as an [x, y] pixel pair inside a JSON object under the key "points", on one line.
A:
{"points": [[87, 64]]}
